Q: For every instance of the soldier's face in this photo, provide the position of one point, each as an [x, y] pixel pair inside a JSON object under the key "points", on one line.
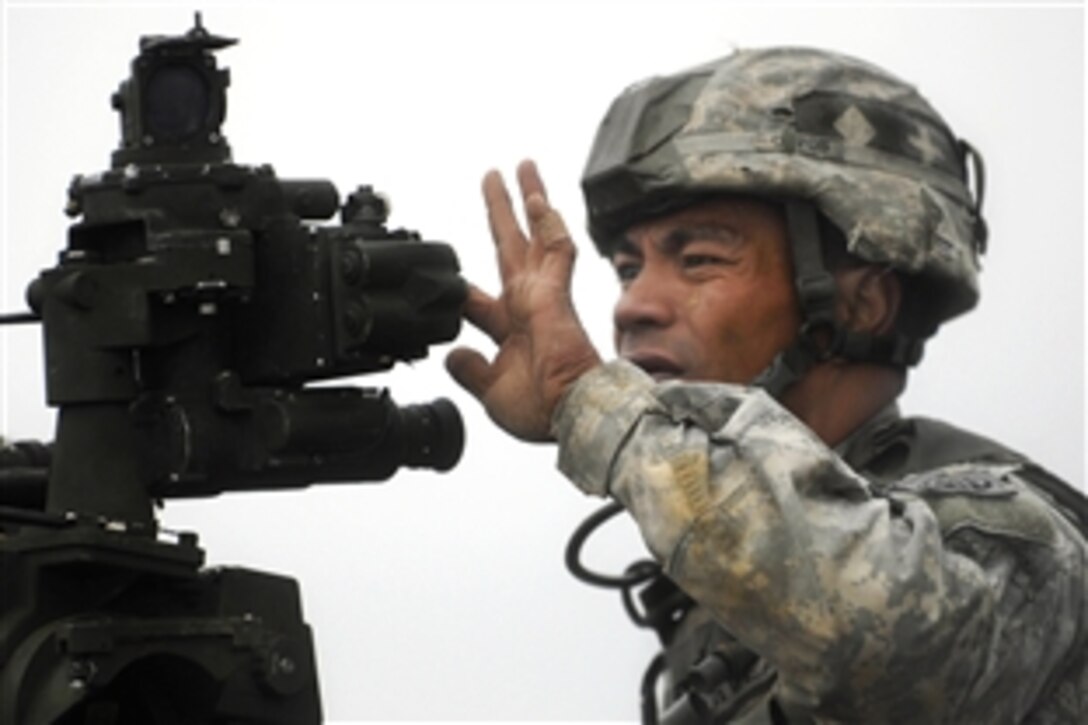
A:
{"points": [[707, 292]]}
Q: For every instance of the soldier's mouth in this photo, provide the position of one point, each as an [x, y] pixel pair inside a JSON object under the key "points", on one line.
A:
{"points": [[657, 365]]}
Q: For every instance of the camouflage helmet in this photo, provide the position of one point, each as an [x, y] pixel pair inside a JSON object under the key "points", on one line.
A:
{"points": [[860, 145]]}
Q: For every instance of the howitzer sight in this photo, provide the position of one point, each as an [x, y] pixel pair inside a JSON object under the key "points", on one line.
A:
{"points": [[195, 300]]}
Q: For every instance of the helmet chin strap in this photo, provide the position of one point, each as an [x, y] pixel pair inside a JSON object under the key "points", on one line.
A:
{"points": [[820, 336]]}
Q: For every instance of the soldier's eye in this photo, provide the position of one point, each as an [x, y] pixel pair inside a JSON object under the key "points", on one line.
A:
{"points": [[699, 260], [627, 270]]}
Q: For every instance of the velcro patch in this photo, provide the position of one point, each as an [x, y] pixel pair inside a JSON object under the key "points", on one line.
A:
{"points": [[985, 497], [989, 481]]}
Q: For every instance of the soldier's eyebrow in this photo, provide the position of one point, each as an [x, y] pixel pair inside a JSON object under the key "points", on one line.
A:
{"points": [[678, 238], [624, 245]]}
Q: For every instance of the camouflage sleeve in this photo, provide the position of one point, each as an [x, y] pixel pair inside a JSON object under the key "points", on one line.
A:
{"points": [[866, 610]]}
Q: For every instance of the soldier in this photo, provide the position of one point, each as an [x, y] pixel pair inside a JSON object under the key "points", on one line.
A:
{"points": [[788, 227]]}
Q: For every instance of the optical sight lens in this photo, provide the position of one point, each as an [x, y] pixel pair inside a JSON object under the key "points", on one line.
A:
{"points": [[176, 102]]}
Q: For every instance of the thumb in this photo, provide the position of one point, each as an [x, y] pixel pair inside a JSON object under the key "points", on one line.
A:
{"points": [[470, 369]]}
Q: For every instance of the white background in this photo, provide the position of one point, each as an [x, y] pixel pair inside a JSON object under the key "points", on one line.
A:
{"points": [[445, 597]]}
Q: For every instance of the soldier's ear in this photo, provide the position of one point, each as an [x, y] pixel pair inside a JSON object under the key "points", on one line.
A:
{"points": [[869, 298]]}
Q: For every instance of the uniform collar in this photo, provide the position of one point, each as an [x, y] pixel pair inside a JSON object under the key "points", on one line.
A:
{"points": [[869, 439]]}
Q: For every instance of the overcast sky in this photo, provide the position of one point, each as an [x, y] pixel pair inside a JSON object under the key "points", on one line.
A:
{"points": [[445, 597]]}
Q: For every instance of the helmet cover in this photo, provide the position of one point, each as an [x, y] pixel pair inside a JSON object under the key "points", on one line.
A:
{"points": [[795, 123]]}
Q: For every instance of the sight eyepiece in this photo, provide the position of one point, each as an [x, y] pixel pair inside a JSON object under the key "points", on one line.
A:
{"points": [[174, 103]]}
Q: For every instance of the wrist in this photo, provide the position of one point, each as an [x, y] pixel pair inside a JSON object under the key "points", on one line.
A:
{"points": [[594, 418]]}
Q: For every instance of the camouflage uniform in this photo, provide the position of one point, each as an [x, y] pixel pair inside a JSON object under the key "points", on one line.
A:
{"points": [[919, 573], [932, 582]]}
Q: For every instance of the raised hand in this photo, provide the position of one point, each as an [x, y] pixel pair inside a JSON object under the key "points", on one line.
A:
{"points": [[543, 348]]}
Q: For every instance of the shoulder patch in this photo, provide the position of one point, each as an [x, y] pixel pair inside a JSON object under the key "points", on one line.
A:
{"points": [[992, 499], [989, 481]]}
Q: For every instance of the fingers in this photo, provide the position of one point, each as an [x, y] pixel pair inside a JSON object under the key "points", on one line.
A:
{"points": [[470, 369], [467, 366], [529, 180], [548, 245], [487, 314], [545, 223], [510, 242], [552, 246]]}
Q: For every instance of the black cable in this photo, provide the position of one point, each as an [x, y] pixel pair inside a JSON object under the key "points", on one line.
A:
{"points": [[663, 604], [647, 690], [639, 572], [17, 318], [636, 574]]}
